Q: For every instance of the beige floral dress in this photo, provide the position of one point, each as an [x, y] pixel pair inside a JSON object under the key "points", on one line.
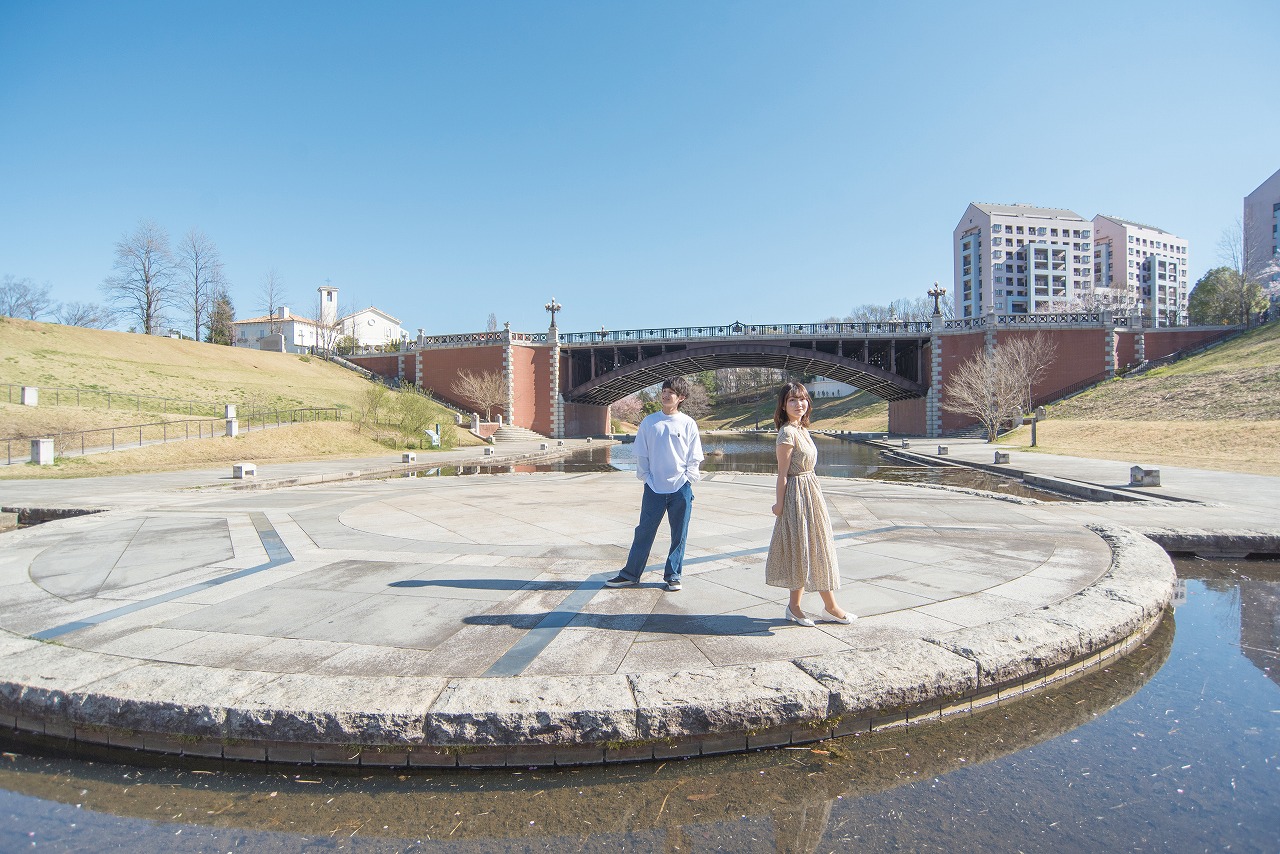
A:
{"points": [[802, 552]]}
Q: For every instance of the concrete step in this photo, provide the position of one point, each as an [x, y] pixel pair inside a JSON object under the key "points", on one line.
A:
{"points": [[508, 433]]}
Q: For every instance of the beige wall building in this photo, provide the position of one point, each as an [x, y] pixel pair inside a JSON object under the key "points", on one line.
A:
{"points": [[1262, 229], [1020, 259], [1139, 267]]}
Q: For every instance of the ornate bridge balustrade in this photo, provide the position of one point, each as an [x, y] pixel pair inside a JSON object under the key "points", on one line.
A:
{"points": [[561, 384]]}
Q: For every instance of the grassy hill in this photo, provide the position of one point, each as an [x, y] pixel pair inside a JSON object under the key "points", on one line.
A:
{"points": [[52, 356], [860, 412], [1217, 410]]}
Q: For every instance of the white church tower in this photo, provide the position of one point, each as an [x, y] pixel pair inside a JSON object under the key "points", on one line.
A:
{"points": [[328, 304]]}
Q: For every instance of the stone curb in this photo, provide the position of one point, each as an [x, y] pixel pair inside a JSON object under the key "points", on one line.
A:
{"points": [[567, 720], [408, 469]]}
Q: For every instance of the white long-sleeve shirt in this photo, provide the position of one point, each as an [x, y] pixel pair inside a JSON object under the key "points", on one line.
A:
{"points": [[668, 452]]}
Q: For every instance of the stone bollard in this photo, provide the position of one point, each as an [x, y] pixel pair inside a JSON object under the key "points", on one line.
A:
{"points": [[488, 452], [943, 450], [30, 396], [229, 410], [408, 457], [906, 443], [559, 442], [233, 428], [1002, 458], [239, 471], [42, 452], [588, 440], [542, 446], [1138, 476]]}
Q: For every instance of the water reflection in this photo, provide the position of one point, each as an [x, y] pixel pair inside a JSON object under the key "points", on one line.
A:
{"points": [[793, 788], [755, 454], [1174, 747]]}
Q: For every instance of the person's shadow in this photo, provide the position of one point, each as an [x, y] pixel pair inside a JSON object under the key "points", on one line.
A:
{"points": [[723, 625]]}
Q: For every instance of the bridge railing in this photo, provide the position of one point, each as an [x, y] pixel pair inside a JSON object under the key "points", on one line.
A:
{"points": [[738, 331], [912, 328]]}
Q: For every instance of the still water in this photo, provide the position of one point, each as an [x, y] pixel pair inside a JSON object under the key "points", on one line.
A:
{"points": [[1174, 748], [755, 453]]}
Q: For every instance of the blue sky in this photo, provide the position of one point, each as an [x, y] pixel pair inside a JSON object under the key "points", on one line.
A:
{"points": [[646, 163]]}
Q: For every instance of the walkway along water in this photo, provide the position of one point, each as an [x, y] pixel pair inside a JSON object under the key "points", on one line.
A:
{"points": [[462, 621]]}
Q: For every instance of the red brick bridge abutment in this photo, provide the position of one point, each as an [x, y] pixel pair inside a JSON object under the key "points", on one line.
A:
{"points": [[562, 384]]}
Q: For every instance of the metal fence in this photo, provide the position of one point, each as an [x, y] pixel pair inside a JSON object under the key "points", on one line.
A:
{"points": [[81, 442], [91, 398]]}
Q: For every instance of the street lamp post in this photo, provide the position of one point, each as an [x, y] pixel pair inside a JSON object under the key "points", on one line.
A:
{"points": [[553, 307], [937, 293]]}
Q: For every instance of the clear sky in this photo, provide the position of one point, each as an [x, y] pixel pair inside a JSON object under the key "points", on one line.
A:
{"points": [[645, 163]]}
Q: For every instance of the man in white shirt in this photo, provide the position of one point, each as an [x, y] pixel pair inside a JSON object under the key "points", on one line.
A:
{"points": [[668, 452]]}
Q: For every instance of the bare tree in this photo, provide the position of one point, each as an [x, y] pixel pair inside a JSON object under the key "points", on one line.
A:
{"points": [[86, 314], [23, 298], [143, 283], [1243, 292], [484, 391], [987, 387], [698, 403], [1029, 359], [271, 298], [200, 278]]}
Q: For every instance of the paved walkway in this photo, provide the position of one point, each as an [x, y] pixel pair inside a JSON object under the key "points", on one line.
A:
{"points": [[463, 620]]}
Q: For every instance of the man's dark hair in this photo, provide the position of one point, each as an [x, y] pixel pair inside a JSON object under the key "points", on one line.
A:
{"points": [[680, 386]]}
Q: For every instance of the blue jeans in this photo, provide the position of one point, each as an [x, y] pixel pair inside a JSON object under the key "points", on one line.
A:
{"points": [[676, 507]]}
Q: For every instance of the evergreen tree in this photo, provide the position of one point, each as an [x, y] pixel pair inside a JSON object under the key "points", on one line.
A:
{"points": [[220, 317]]}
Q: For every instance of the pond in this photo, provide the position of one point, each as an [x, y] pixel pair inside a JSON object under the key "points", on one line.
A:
{"points": [[1175, 747], [746, 452]]}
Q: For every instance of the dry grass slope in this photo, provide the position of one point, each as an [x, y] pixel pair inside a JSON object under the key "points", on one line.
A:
{"points": [[1217, 410], [49, 355], [53, 356]]}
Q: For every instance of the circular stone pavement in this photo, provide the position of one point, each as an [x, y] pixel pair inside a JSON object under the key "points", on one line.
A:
{"points": [[463, 620]]}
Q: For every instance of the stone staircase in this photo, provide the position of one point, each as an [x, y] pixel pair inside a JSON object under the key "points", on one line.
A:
{"points": [[508, 433]]}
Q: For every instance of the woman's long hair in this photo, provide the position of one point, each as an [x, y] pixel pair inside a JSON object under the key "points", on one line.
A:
{"points": [[791, 389]]}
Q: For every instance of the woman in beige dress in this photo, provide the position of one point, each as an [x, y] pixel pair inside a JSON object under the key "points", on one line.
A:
{"points": [[802, 553]]}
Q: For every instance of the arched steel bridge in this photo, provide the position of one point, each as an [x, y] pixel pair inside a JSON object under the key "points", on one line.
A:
{"points": [[885, 359]]}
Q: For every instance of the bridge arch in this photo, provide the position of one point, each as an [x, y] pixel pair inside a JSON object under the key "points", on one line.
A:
{"points": [[627, 379]]}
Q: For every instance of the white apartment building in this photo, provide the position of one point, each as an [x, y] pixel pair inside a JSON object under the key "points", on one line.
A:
{"points": [[1019, 259], [1140, 268], [1262, 230]]}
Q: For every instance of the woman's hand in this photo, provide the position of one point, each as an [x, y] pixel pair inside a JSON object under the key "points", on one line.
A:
{"points": [[777, 509]]}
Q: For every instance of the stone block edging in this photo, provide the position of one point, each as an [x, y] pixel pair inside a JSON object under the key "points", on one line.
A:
{"points": [[207, 712]]}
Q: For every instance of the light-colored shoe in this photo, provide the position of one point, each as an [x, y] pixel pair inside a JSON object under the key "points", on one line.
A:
{"points": [[828, 617], [802, 619]]}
